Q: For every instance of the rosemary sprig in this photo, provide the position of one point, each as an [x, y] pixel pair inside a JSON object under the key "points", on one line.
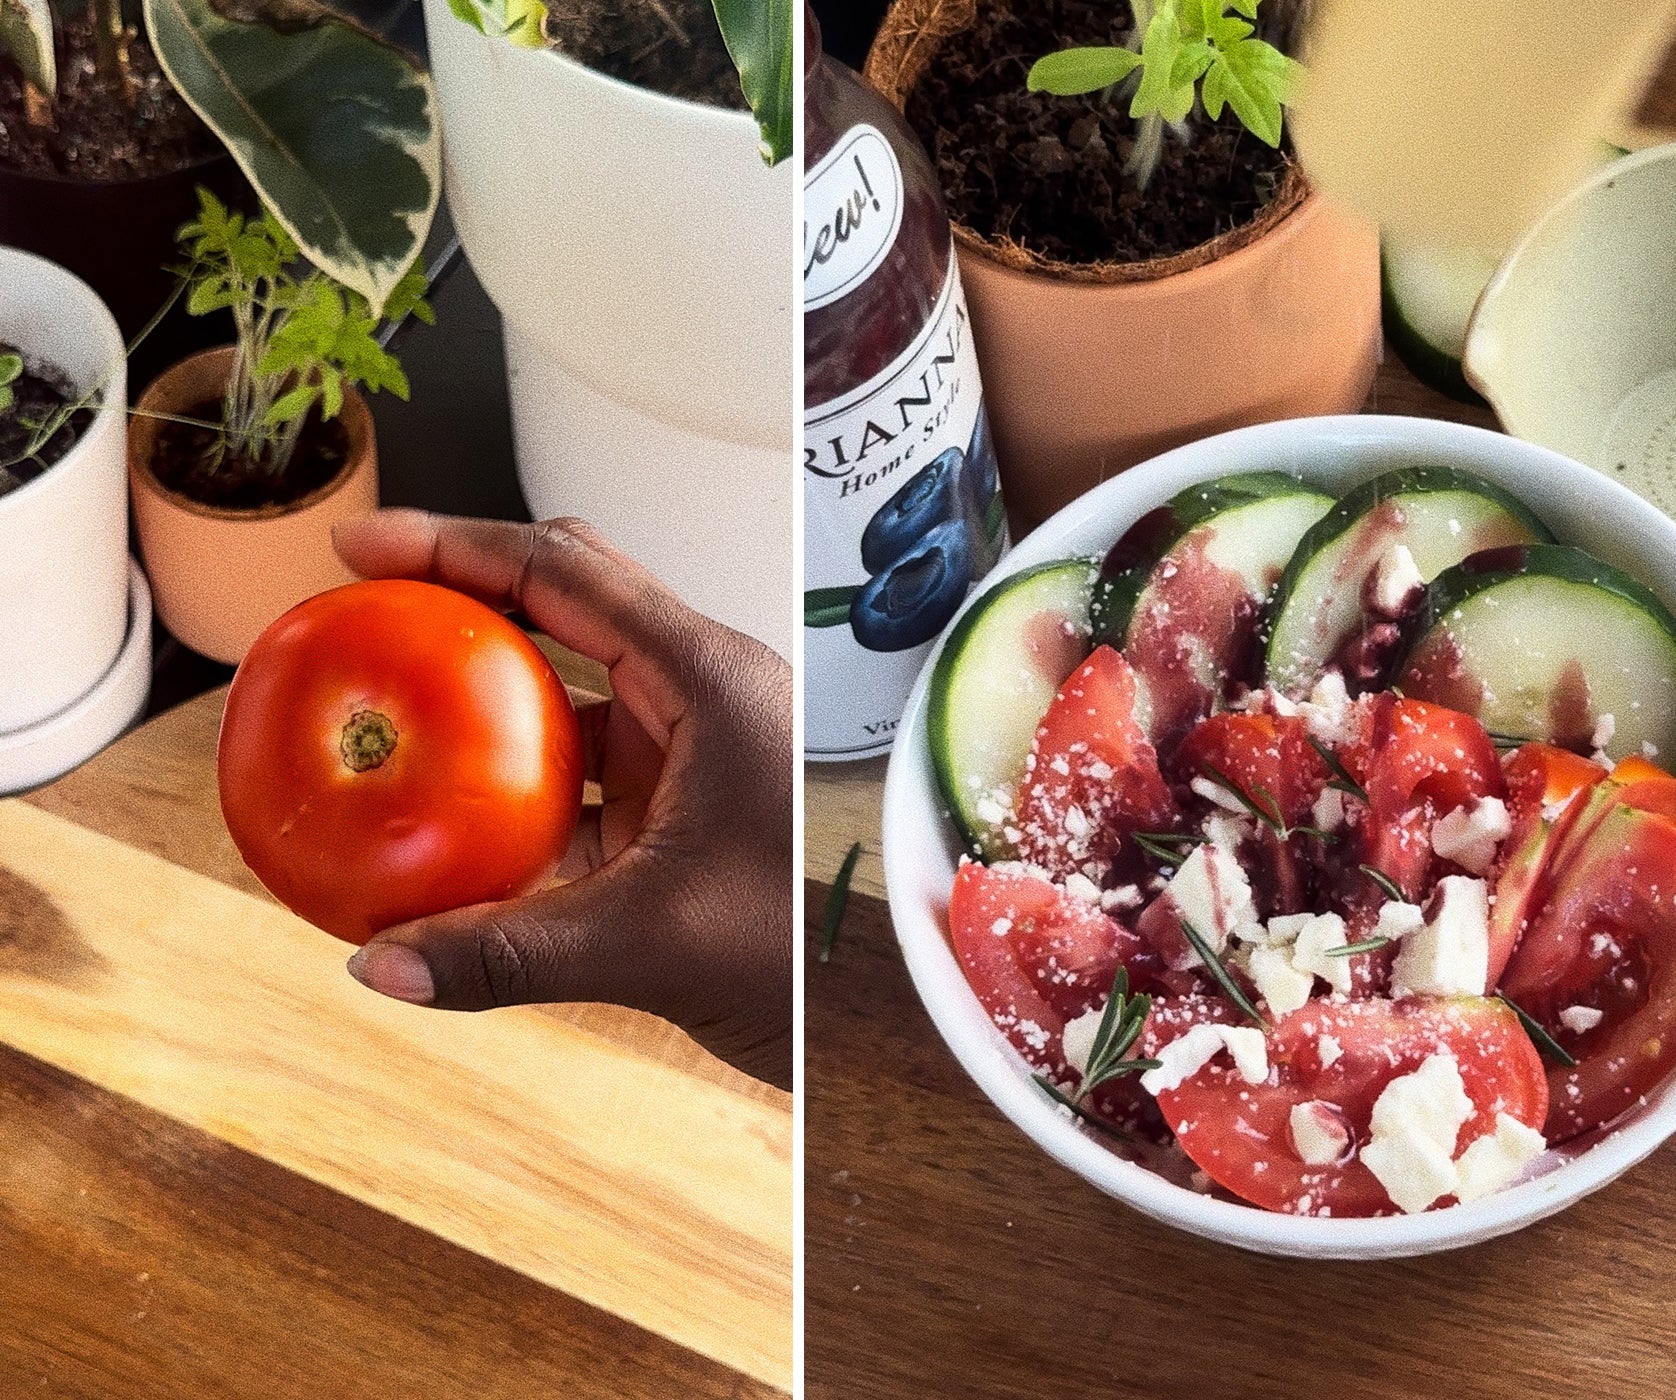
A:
{"points": [[1163, 846], [1390, 887], [1341, 775], [1545, 1043], [1086, 1115], [1220, 972], [1270, 816], [1367, 945], [1120, 1027], [1506, 741], [837, 897]]}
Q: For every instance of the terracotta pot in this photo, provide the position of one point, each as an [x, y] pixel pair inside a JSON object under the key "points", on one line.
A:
{"points": [[1089, 370], [220, 575]]}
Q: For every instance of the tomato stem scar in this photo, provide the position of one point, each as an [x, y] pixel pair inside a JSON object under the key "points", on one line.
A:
{"points": [[368, 739]]}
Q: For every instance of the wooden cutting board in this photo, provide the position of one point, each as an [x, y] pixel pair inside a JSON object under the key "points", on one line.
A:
{"points": [[594, 1150]]}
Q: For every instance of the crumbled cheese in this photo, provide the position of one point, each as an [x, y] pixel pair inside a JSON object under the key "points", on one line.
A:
{"points": [[1470, 835], [1079, 886], [1649, 750], [1284, 987], [1327, 711], [1581, 1019], [1309, 952], [1217, 795], [1121, 899], [1328, 812], [1210, 891], [1411, 1144], [1395, 578], [1496, 1159], [1397, 919], [1285, 928], [1450, 956], [1077, 1038], [1605, 728], [1328, 1048], [1186, 1055], [1226, 830], [1319, 1134]]}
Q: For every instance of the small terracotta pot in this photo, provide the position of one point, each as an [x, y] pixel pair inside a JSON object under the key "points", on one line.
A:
{"points": [[219, 575], [1089, 370]]}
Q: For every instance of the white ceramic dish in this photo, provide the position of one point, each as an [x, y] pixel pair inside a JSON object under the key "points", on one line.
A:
{"points": [[921, 849], [53, 746]]}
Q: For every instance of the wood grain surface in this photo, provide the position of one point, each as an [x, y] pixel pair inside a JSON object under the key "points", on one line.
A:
{"points": [[634, 1193]]}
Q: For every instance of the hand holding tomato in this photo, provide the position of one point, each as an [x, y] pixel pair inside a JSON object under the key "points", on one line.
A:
{"points": [[681, 901]]}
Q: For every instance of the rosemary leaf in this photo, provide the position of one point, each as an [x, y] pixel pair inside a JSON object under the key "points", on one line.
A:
{"points": [[1163, 846], [1390, 887], [837, 897], [1341, 775], [1221, 973], [1240, 795], [1367, 945], [1092, 1119], [1545, 1043]]}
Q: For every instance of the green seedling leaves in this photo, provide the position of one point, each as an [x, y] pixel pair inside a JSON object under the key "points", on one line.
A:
{"points": [[11, 370], [758, 34], [1072, 72]]}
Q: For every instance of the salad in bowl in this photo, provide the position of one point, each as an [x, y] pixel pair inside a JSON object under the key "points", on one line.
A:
{"points": [[1283, 841]]}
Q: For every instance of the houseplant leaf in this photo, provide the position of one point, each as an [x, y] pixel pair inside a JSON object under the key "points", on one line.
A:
{"points": [[758, 34], [26, 33], [335, 128], [1071, 72]]}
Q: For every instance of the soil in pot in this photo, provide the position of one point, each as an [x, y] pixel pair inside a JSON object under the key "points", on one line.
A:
{"points": [[38, 395], [96, 135], [1047, 173], [185, 461], [670, 46]]}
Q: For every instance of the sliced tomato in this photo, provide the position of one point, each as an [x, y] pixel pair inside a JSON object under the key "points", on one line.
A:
{"points": [[1540, 775], [1036, 956], [1268, 757], [1092, 775], [1240, 1134], [1417, 762], [1646, 786], [1604, 937]]}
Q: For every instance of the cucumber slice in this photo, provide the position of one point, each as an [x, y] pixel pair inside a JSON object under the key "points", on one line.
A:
{"points": [[1540, 642], [997, 674], [1182, 592], [1440, 514], [1428, 297]]}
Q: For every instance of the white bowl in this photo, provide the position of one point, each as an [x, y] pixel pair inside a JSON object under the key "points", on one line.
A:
{"points": [[921, 849]]}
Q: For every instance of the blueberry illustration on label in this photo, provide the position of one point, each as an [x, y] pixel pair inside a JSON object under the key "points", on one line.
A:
{"points": [[982, 470], [910, 601], [929, 497]]}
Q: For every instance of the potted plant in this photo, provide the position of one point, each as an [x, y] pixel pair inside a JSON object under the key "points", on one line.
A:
{"points": [[74, 615], [1143, 262], [241, 458], [101, 143], [609, 191]]}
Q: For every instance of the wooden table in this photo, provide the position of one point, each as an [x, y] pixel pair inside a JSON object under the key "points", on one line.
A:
{"points": [[227, 1171], [947, 1256]]}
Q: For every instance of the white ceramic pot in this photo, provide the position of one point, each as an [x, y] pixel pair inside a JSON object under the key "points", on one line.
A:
{"points": [[640, 254], [921, 850], [64, 583]]}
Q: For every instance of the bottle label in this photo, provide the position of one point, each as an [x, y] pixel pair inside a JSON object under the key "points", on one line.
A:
{"points": [[902, 516], [853, 212]]}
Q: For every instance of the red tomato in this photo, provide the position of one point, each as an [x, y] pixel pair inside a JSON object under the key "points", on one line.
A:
{"points": [[1418, 762], [1240, 1134], [1604, 937], [1037, 957], [394, 749], [1093, 776], [1268, 757]]}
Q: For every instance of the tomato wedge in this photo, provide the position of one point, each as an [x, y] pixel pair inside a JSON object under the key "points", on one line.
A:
{"points": [[1092, 776], [1268, 757], [1036, 956], [1604, 939], [1240, 1134]]}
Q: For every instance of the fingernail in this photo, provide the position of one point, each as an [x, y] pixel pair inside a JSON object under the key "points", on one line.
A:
{"points": [[395, 970]]}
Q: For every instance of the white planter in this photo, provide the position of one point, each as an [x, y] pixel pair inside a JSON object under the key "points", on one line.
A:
{"points": [[640, 254], [64, 580]]}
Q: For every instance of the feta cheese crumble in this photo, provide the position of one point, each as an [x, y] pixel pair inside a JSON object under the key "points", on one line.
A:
{"points": [[1396, 578], [1496, 1159], [1310, 953], [1581, 1019], [1077, 1039], [1471, 835], [1186, 1055], [1320, 1136], [1211, 892], [1411, 1145], [1450, 955]]}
